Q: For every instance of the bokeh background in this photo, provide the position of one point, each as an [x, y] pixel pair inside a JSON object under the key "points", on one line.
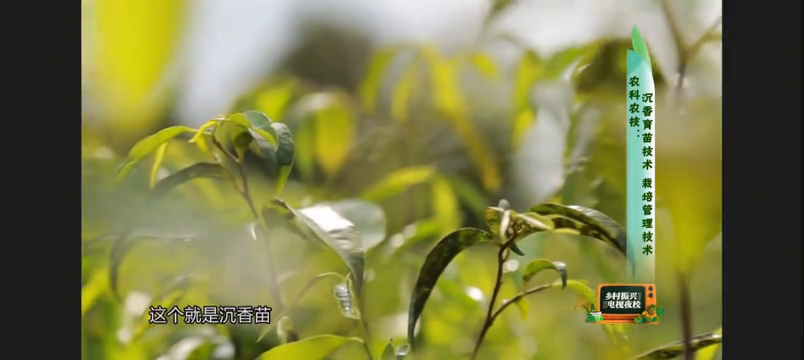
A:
{"points": [[410, 117]]}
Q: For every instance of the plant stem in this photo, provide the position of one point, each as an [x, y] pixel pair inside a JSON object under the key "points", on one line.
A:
{"points": [[246, 194], [366, 341], [490, 314], [518, 297], [685, 53], [686, 315]]}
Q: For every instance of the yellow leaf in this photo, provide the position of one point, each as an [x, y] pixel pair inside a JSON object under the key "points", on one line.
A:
{"points": [[334, 129], [529, 69], [312, 348], [157, 165], [449, 99], [274, 100], [132, 43], [93, 290], [485, 65], [523, 121], [399, 181], [372, 83], [445, 205], [402, 94]]}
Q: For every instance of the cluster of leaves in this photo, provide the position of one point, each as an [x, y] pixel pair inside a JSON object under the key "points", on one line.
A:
{"points": [[507, 227], [228, 141]]}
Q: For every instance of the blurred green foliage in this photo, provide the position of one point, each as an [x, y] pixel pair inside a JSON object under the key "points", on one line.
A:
{"points": [[191, 217]]}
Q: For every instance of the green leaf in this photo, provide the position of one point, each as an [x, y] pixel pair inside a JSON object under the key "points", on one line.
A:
{"points": [[538, 265], [335, 127], [285, 153], [434, 264], [448, 99], [485, 65], [316, 347], [233, 134], [147, 146], [402, 93], [372, 83], [157, 165], [640, 47], [367, 217], [709, 352], [259, 125], [676, 349], [529, 70], [581, 289], [261, 129], [195, 171], [518, 225], [584, 221], [559, 62], [398, 181], [323, 225], [389, 353]]}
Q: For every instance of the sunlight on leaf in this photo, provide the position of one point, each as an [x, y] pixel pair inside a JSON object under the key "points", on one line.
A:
{"points": [[398, 181], [94, 289], [157, 165], [148, 145], [538, 265], [434, 264], [315, 347], [325, 225], [335, 127], [130, 47], [368, 219], [262, 125], [274, 100]]}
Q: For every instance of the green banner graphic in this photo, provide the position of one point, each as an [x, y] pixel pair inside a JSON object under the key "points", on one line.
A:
{"points": [[641, 163]]}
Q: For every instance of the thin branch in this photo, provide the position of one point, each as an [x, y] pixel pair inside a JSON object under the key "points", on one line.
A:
{"points": [[519, 297], [501, 256], [685, 53], [686, 315], [246, 194], [705, 37]]}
